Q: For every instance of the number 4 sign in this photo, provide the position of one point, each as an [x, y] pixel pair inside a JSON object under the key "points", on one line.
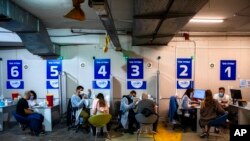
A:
{"points": [[102, 68], [184, 68], [228, 70]]}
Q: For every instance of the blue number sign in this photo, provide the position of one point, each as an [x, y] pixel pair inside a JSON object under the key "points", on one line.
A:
{"points": [[137, 84], [228, 70], [184, 68], [102, 69], [54, 67], [14, 69], [135, 69]]}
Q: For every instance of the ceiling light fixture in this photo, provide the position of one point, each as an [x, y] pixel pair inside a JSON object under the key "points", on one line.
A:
{"points": [[206, 20]]}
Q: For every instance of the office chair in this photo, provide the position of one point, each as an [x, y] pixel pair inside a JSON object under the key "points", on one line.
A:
{"points": [[23, 121], [100, 121], [71, 118], [219, 122], [146, 124]]}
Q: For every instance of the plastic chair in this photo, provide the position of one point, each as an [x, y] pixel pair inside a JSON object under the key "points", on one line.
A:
{"points": [[145, 124], [23, 121], [99, 121], [219, 122]]}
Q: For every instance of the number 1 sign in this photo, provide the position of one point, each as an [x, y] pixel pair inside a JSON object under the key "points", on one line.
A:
{"points": [[228, 70], [184, 68]]}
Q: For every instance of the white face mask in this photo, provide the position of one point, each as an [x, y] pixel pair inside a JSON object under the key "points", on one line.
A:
{"points": [[81, 92]]}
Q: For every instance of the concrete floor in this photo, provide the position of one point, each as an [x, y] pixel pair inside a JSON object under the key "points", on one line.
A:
{"points": [[61, 133]]}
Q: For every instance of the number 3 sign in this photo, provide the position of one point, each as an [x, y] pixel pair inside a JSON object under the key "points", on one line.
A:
{"points": [[184, 68], [102, 68], [228, 70], [135, 69]]}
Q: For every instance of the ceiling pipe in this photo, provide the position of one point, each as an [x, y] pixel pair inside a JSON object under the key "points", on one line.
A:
{"points": [[103, 11]]}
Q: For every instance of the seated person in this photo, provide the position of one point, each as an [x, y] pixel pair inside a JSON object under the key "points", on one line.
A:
{"points": [[22, 107], [186, 108], [209, 110], [100, 106], [32, 101], [150, 105], [78, 104], [127, 111], [222, 98]]}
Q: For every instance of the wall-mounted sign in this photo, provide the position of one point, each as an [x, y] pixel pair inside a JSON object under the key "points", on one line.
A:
{"points": [[136, 84], [184, 68], [102, 69], [185, 84], [135, 68], [15, 84], [228, 70], [54, 67], [14, 69], [101, 84]]}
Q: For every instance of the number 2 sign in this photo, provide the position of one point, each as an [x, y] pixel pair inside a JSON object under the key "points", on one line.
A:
{"points": [[14, 68], [102, 68], [54, 67], [228, 70], [184, 68]]}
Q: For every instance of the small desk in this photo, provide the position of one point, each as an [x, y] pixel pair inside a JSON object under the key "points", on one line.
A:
{"points": [[51, 115], [243, 114], [6, 109]]}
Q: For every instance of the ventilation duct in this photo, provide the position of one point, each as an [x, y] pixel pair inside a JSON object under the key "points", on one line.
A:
{"points": [[30, 29]]}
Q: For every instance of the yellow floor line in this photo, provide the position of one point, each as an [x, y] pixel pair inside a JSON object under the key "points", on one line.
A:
{"points": [[165, 134]]}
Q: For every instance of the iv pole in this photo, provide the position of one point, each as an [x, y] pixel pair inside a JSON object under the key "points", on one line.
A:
{"points": [[158, 83]]}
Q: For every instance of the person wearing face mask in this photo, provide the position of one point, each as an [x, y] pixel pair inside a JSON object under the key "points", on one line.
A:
{"points": [[222, 98], [32, 101], [79, 104], [127, 112]]}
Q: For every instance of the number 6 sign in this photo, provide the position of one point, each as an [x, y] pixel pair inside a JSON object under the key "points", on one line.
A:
{"points": [[14, 68], [102, 68], [228, 70], [184, 68]]}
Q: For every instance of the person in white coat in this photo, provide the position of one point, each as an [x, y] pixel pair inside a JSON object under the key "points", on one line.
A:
{"points": [[127, 111]]}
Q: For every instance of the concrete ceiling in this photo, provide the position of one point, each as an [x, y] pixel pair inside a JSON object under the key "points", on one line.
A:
{"points": [[235, 12], [52, 12]]}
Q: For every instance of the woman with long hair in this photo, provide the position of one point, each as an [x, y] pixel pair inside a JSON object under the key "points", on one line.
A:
{"points": [[100, 106], [209, 110]]}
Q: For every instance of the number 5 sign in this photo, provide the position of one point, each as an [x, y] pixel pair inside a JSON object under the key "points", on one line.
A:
{"points": [[102, 68], [228, 70], [54, 67], [14, 68], [184, 68]]}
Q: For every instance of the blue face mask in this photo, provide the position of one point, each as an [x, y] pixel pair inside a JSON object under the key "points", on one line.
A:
{"points": [[221, 94], [31, 97]]}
